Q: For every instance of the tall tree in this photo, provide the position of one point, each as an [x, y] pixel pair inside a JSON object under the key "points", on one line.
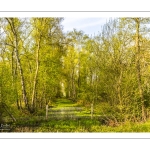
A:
{"points": [[15, 29]]}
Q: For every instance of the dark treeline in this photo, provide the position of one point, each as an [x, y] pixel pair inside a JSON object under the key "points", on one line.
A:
{"points": [[40, 63]]}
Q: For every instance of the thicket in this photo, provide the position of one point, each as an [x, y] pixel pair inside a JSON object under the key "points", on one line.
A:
{"points": [[40, 63]]}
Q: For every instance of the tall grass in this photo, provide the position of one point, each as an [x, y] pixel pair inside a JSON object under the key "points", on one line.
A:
{"points": [[79, 125]]}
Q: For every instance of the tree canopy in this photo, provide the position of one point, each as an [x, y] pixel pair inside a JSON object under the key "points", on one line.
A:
{"points": [[40, 63]]}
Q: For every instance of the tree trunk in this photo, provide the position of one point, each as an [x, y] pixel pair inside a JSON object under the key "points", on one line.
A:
{"points": [[15, 34], [35, 77], [137, 20], [119, 89], [21, 76]]}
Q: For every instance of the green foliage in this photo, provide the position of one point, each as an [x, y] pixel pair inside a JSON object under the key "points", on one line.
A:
{"points": [[83, 125], [40, 65]]}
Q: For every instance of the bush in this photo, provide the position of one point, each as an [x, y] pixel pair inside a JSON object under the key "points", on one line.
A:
{"points": [[80, 102]]}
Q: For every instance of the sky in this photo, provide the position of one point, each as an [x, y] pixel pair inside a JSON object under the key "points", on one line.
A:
{"points": [[90, 26]]}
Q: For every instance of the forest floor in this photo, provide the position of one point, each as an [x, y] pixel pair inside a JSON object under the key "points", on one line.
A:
{"points": [[67, 116]]}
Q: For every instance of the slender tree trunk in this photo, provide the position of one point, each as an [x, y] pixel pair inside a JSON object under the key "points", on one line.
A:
{"points": [[15, 34], [69, 88], [96, 87], [139, 69], [35, 77], [21, 76], [119, 89], [79, 76], [14, 79], [6, 108], [73, 89]]}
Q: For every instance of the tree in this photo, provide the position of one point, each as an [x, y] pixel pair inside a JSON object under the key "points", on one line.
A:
{"points": [[14, 26]]}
